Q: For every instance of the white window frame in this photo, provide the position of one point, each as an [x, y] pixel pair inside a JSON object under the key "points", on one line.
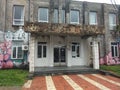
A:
{"points": [[46, 17], [22, 16], [112, 24], [42, 44], [16, 52], [93, 14], [78, 20], [75, 53], [115, 46]]}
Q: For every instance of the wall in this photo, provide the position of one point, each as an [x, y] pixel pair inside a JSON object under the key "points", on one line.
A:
{"points": [[6, 49], [57, 41]]}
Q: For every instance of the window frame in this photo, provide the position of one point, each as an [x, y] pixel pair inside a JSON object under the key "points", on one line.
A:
{"points": [[42, 44], [115, 47], [47, 18], [16, 52], [78, 19], [112, 25], [22, 16], [95, 18], [76, 53]]}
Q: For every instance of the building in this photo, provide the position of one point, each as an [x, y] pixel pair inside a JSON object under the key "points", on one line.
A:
{"points": [[64, 32]]}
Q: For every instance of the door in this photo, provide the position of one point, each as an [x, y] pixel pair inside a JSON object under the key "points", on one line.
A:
{"points": [[59, 56]]}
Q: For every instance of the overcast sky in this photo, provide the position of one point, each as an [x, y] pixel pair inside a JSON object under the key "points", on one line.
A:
{"points": [[103, 1]]}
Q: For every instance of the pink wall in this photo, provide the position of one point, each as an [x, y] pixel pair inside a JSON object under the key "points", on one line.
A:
{"points": [[109, 60]]}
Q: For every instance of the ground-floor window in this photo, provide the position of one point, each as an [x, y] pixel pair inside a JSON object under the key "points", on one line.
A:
{"points": [[114, 49], [17, 52], [75, 50], [42, 50]]}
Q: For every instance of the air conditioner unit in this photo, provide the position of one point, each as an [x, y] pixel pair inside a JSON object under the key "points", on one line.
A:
{"points": [[24, 47]]}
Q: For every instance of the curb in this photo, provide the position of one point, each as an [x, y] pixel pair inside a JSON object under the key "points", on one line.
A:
{"points": [[108, 73]]}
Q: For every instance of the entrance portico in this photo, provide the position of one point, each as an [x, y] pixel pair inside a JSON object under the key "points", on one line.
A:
{"points": [[62, 45]]}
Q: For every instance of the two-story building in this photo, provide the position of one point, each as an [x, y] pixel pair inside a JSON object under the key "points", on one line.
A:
{"points": [[63, 33]]}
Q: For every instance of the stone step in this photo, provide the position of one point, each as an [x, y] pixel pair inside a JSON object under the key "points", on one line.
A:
{"points": [[57, 72]]}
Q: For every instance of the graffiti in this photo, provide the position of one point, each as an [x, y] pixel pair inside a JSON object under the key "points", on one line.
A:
{"points": [[6, 49], [5, 53], [109, 60]]}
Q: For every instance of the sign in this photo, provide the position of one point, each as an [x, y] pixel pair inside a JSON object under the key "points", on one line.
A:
{"points": [[18, 35]]}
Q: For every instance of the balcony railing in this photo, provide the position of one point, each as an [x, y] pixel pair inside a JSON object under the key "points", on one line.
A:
{"points": [[50, 28]]}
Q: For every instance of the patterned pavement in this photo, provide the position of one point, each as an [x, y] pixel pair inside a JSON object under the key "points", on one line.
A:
{"points": [[73, 82]]}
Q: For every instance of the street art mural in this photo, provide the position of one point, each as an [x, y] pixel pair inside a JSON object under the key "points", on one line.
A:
{"points": [[5, 53], [109, 60], [6, 49]]}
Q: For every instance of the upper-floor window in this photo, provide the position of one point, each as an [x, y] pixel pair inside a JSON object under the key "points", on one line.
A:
{"points": [[55, 16], [74, 17], [63, 16], [93, 18], [43, 15], [18, 15], [112, 21]]}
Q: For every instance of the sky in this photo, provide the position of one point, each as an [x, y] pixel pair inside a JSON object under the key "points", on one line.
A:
{"points": [[103, 1]]}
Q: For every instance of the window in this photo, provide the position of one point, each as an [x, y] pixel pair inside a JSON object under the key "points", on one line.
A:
{"points": [[63, 16], [55, 16], [17, 52], [93, 18], [18, 15], [43, 15], [42, 50], [114, 49], [75, 50], [112, 21], [74, 17]]}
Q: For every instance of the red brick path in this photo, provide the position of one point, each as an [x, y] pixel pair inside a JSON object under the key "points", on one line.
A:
{"points": [[60, 83]]}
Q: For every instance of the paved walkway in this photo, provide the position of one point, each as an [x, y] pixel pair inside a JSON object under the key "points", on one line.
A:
{"points": [[73, 82]]}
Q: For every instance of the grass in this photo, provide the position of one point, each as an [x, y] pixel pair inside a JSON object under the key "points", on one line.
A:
{"points": [[114, 69], [13, 77]]}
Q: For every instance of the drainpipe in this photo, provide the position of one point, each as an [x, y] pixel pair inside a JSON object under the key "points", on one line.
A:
{"points": [[28, 10], [28, 32], [83, 11], [28, 21], [5, 18]]}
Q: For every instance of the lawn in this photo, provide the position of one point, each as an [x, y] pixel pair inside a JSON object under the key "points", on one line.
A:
{"points": [[13, 77], [114, 69]]}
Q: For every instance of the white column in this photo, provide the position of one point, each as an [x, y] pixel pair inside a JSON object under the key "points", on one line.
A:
{"points": [[32, 54], [51, 52], [68, 51], [95, 51]]}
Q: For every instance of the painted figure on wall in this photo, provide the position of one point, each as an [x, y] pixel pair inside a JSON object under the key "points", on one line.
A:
{"points": [[5, 53], [112, 58]]}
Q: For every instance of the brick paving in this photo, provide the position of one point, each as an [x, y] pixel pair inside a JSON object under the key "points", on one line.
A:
{"points": [[74, 82]]}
